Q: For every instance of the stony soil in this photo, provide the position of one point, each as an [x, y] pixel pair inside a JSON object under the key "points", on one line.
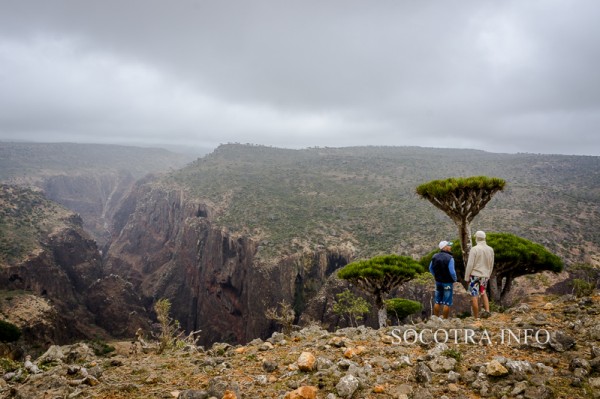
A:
{"points": [[349, 363]]}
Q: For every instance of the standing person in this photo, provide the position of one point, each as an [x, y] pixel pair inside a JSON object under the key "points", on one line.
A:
{"points": [[479, 269], [442, 268]]}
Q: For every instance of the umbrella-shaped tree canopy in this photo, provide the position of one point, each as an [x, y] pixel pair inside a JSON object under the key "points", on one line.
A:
{"points": [[462, 198], [379, 275]]}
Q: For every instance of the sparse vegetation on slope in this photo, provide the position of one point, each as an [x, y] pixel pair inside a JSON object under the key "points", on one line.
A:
{"points": [[89, 179], [25, 217], [295, 199], [349, 363]]}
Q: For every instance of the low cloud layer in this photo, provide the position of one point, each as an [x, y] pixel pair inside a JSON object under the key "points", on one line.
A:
{"points": [[511, 76]]}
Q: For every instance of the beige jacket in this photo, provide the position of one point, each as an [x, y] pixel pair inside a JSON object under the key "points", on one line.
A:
{"points": [[481, 261]]}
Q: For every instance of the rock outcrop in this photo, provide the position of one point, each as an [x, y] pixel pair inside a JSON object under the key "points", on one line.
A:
{"points": [[171, 248], [59, 295], [46, 288], [313, 363]]}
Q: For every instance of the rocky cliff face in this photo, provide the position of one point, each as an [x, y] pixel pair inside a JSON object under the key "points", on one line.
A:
{"points": [[47, 290], [171, 248], [79, 302], [94, 196], [59, 275]]}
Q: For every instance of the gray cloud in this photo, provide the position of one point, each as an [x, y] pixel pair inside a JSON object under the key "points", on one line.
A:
{"points": [[511, 76]]}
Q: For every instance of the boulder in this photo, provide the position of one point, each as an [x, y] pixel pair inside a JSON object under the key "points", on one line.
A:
{"points": [[495, 369], [307, 361], [303, 392], [423, 373], [347, 386], [441, 364]]}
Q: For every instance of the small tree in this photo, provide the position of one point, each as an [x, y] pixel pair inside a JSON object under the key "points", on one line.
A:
{"points": [[284, 316], [351, 306], [170, 331], [461, 199], [379, 275], [402, 308]]}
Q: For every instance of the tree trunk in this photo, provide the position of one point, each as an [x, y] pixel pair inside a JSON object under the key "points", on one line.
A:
{"points": [[382, 316], [495, 288], [381, 311], [506, 288], [464, 231]]}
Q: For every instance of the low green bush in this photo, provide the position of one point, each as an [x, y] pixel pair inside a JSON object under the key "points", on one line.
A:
{"points": [[7, 365], [9, 332], [582, 287], [453, 353], [402, 308], [496, 307], [100, 347]]}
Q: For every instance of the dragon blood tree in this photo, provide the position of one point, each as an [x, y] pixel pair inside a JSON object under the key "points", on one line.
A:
{"points": [[380, 275], [461, 198], [515, 256]]}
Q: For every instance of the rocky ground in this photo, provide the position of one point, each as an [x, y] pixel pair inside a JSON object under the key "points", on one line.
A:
{"points": [[560, 358]]}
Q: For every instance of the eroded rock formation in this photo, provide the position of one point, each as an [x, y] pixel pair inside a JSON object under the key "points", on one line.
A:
{"points": [[94, 196], [52, 290], [171, 248]]}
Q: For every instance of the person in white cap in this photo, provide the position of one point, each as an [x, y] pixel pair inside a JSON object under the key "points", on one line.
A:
{"points": [[442, 268], [479, 269]]}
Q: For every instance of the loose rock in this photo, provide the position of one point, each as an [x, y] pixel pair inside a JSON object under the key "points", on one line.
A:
{"points": [[347, 386]]}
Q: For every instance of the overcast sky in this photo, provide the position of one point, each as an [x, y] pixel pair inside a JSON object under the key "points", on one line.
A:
{"points": [[501, 76]]}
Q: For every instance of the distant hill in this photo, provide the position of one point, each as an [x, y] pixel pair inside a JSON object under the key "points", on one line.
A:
{"points": [[293, 199], [37, 160], [89, 179]]}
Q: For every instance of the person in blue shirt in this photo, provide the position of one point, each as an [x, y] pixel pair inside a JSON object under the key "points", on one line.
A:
{"points": [[442, 268]]}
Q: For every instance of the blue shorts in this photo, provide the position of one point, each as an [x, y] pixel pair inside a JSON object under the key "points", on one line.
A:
{"points": [[443, 293]]}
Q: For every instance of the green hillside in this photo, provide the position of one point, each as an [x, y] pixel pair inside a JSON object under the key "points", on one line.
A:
{"points": [[26, 218], [292, 199]]}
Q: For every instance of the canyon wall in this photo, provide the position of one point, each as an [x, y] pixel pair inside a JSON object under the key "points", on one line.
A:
{"points": [[56, 291], [94, 196], [171, 248]]}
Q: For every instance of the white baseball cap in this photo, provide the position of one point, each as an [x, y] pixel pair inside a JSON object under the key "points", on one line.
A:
{"points": [[442, 244]]}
